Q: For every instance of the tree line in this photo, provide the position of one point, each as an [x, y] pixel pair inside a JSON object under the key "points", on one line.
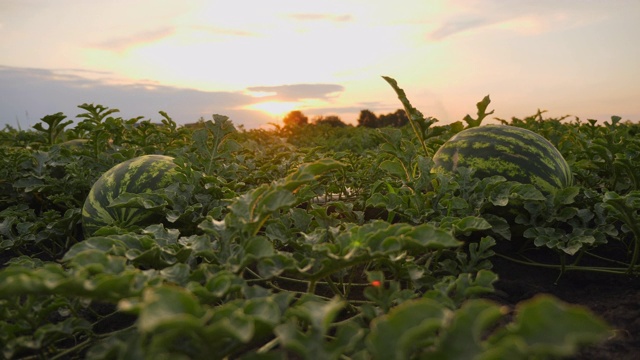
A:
{"points": [[366, 118]]}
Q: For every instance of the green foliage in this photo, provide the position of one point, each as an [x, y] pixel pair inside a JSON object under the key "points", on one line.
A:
{"points": [[307, 242], [425, 329], [418, 123], [55, 127], [482, 113]]}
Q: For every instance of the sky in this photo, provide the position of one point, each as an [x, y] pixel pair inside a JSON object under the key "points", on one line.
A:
{"points": [[255, 61]]}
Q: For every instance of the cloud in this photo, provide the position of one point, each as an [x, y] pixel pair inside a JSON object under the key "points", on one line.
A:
{"points": [[125, 42], [322, 17], [455, 26], [523, 16], [338, 110], [224, 31], [27, 95], [298, 92]]}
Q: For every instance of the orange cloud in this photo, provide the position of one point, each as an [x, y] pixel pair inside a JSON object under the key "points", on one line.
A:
{"points": [[128, 41]]}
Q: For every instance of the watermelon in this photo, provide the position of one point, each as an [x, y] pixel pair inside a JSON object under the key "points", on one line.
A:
{"points": [[517, 154], [139, 175]]}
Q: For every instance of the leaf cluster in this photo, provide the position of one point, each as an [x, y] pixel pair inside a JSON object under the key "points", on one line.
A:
{"points": [[318, 242]]}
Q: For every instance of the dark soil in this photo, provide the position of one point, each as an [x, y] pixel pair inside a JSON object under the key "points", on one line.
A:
{"points": [[615, 298]]}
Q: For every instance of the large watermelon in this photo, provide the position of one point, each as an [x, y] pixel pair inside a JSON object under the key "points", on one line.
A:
{"points": [[142, 174], [515, 153]]}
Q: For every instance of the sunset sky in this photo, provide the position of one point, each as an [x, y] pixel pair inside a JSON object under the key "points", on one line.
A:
{"points": [[254, 61]]}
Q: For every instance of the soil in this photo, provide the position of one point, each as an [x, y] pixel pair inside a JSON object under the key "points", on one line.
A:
{"points": [[615, 298]]}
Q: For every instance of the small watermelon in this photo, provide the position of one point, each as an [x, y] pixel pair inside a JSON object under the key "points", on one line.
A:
{"points": [[517, 154], [142, 174]]}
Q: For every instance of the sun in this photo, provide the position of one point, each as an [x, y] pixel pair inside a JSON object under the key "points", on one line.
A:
{"points": [[275, 108]]}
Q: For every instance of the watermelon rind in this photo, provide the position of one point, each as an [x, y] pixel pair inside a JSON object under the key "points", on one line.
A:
{"points": [[517, 154], [138, 175]]}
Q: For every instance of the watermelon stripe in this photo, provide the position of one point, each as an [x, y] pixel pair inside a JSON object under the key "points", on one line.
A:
{"points": [[145, 173], [515, 153]]}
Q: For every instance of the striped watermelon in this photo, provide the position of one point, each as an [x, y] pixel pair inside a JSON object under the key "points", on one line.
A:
{"points": [[515, 153], [142, 174]]}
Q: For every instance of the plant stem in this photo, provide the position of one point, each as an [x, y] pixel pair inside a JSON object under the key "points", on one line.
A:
{"points": [[608, 270], [626, 215], [412, 113], [311, 288]]}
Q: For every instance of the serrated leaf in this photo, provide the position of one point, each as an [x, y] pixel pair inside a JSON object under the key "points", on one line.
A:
{"points": [[259, 247], [463, 337], [166, 304], [406, 328], [269, 267], [149, 201], [106, 244], [527, 192], [278, 199], [499, 194], [395, 168], [470, 224], [319, 314], [432, 238], [549, 327], [566, 196]]}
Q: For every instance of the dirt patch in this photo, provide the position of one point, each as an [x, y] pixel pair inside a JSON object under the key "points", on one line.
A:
{"points": [[615, 298]]}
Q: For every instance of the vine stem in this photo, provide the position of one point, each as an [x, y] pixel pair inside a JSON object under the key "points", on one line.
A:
{"points": [[311, 289], [87, 342], [412, 113], [608, 270], [625, 215], [268, 346]]}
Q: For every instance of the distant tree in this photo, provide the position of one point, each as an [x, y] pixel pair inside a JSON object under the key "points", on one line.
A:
{"points": [[295, 118], [396, 119], [368, 119], [331, 120]]}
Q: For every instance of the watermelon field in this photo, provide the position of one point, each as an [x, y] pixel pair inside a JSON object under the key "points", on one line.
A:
{"points": [[140, 239]]}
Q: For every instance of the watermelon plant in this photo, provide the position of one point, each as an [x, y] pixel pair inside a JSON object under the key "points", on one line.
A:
{"points": [[125, 195], [314, 242]]}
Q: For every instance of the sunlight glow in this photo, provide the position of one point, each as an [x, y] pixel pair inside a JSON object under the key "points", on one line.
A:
{"points": [[573, 60], [275, 108]]}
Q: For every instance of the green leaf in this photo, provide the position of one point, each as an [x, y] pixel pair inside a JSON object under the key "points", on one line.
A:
{"points": [[419, 124], [309, 172], [452, 291], [545, 327], [231, 325], [269, 267], [266, 310], [319, 314], [259, 247], [432, 238], [97, 262], [527, 192], [178, 273], [395, 168], [149, 201], [408, 327], [166, 305], [294, 340], [47, 334], [108, 244], [471, 224], [566, 195], [277, 199], [463, 337], [482, 113]]}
